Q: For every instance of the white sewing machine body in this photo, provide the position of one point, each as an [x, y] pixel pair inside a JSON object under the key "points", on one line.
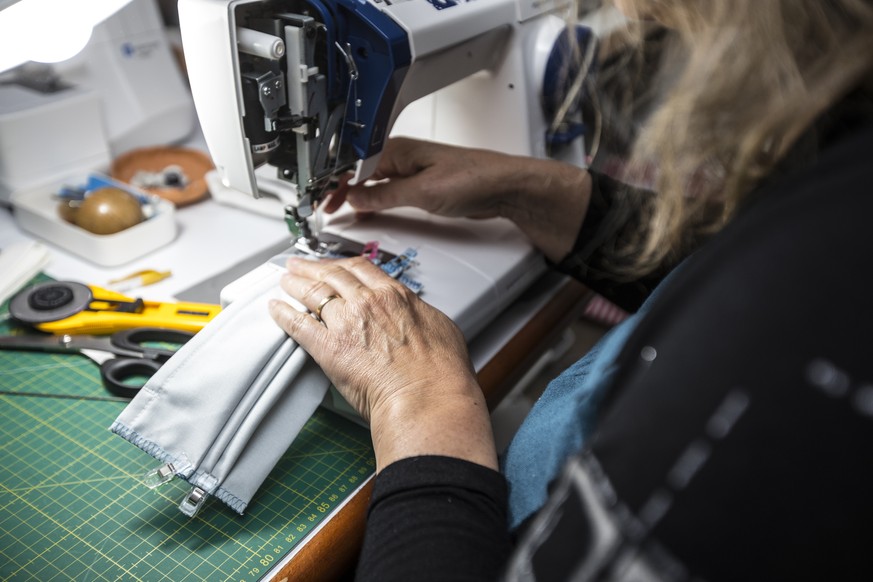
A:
{"points": [[469, 269], [400, 51], [315, 87]]}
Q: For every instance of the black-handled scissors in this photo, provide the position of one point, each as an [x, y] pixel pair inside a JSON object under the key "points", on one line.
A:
{"points": [[123, 356]]}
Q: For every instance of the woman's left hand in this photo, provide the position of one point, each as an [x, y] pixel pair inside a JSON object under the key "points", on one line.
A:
{"points": [[400, 362]]}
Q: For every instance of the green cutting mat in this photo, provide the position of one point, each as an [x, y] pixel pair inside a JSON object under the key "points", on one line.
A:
{"points": [[72, 505]]}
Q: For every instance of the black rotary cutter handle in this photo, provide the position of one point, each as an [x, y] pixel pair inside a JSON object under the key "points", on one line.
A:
{"points": [[117, 372]]}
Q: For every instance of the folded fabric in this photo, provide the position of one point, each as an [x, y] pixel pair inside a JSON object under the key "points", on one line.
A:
{"points": [[222, 411]]}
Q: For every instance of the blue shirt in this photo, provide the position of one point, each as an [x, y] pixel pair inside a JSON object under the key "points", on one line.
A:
{"points": [[562, 419]]}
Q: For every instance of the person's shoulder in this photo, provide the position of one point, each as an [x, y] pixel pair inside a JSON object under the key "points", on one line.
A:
{"points": [[789, 271], [839, 172], [809, 224]]}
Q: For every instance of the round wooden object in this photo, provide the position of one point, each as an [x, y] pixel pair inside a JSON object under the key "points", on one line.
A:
{"points": [[107, 211], [194, 165]]}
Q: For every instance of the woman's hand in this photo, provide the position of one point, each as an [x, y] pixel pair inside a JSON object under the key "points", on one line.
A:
{"points": [[442, 179], [546, 199], [401, 363]]}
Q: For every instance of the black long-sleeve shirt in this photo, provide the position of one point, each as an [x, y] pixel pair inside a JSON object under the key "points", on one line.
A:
{"points": [[735, 442]]}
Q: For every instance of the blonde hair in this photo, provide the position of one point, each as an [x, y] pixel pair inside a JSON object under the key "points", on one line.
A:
{"points": [[745, 80]]}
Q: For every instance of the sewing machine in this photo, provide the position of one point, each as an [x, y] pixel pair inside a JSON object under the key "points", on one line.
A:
{"points": [[309, 89]]}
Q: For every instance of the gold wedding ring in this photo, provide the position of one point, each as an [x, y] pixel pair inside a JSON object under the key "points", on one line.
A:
{"points": [[321, 305]]}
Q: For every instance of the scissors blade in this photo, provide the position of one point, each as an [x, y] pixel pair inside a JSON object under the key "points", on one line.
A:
{"points": [[46, 343], [98, 356], [88, 345]]}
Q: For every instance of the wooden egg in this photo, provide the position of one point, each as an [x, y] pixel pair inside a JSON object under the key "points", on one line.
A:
{"points": [[108, 210]]}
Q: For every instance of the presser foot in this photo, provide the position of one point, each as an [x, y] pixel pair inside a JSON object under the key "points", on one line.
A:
{"points": [[332, 246]]}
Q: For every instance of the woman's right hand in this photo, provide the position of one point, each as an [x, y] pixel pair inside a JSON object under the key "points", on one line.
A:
{"points": [[401, 363], [546, 199]]}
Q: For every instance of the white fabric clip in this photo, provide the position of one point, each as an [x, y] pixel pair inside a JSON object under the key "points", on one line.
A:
{"points": [[228, 404], [193, 501], [159, 475]]}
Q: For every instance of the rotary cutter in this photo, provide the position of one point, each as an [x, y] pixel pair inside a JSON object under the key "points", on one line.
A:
{"points": [[63, 307]]}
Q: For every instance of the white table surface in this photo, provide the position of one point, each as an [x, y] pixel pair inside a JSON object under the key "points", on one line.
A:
{"points": [[210, 238]]}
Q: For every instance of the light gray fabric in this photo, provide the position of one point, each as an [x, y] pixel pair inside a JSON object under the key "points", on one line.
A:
{"points": [[230, 402]]}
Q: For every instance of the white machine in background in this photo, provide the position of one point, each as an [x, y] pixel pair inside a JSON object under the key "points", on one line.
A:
{"points": [[124, 90], [131, 63], [313, 88]]}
